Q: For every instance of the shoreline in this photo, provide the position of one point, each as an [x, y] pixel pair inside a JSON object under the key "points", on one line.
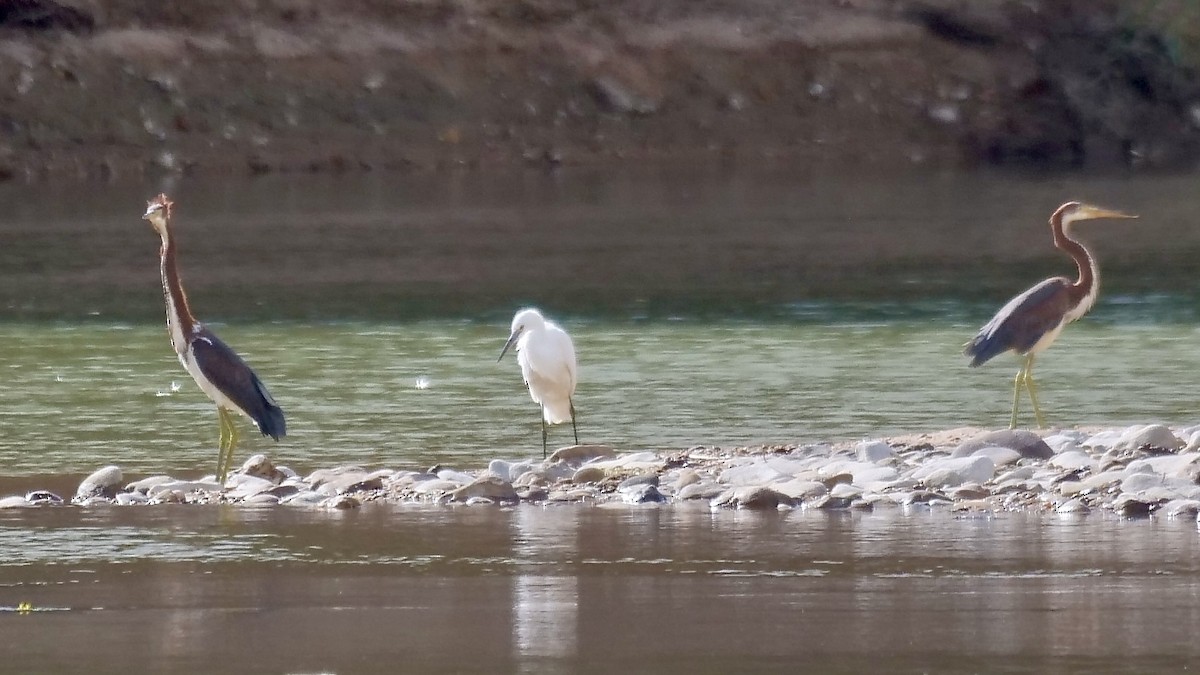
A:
{"points": [[1135, 471]]}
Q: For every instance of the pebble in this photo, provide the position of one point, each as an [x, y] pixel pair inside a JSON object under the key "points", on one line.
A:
{"points": [[1142, 470], [756, 497], [15, 501], [873, 451], [101, 483], [491, 488]]}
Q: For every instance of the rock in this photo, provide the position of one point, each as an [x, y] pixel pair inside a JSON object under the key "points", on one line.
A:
{"points": [[701, 491], [1102, 440], [480, 501], [501, 469], [456, 476], [241, 485], [873, 451], [351, 482], [1131, 506], [102, 483], [43, 498], [1181, 508], [875, 474], [589, 474], [580, 454], [643, 479], [490, 487], [1025, 442], [435, 486], [685, 477], [304, 498], [260, 466], [131, 498], [341, 502], [15, 501], [798, 489], [751, 497], [829, 503], [1151, 435], [321, 476], [143, 486], [952, 472], [641, 493], [1072, 506], [922, 497], [999, 456], [968, 491], [753, 473], [184, 487], [533, 494], [845, 491], [1073, 459]]}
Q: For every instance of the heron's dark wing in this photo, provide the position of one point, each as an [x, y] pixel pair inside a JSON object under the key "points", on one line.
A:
{"points": [[1022, 322], [233, 378]]}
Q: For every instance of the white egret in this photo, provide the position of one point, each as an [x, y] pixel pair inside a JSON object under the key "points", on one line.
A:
{"points": [[547, 358]]}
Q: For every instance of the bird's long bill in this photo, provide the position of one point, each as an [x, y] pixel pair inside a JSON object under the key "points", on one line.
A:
{"points": [[1097, 212], [512, 339]]}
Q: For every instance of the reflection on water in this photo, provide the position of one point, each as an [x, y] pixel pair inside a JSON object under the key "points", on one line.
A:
{"points": [[707, 308], [596, 589]]}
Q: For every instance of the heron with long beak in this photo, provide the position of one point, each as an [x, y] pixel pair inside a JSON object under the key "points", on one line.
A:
{"points": [[1030, 322], [217, 369]]}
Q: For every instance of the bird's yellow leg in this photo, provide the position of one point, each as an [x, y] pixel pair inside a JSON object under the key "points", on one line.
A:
{"points": [[1017, 382], [221, 438], [1037, 410], [233, 440], [228, 439]]}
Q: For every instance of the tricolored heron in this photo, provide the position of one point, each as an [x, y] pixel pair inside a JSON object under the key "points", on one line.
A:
{"points": [[217, 369], [1030, 322], [547, 358]]}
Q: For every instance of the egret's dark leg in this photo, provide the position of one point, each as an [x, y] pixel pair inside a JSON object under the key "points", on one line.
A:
{"points": [[543, 432], [1029, 385], [573, 427]]}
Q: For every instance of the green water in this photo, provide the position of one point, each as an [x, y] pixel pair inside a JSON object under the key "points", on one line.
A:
{"points": [[708, 307], [78, 396]]}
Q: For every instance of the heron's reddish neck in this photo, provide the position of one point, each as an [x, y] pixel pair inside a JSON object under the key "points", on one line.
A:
{"points": [[180, 321], [1083, 286]]}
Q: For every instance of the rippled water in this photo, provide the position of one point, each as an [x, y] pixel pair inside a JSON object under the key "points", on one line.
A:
{"points": [[406, 396], [707, 308], [586, 589]]}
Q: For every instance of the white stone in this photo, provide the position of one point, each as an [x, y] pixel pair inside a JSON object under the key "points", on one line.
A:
{"points": [[1073, 459], [751, 474], [1155, 435], [873, 451], [956, 471], [101, 482], [1000, 456], [455, 476]]}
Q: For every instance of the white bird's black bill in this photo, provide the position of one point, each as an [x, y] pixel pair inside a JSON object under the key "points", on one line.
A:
{"points": [[512, 339]]}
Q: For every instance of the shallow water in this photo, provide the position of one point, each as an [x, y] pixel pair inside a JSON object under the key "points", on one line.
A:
{"points": [[588, 589], [707, 308], [413, 395]]}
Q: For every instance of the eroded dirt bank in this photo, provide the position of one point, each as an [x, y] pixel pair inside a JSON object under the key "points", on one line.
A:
{"points": [[102, 89]]}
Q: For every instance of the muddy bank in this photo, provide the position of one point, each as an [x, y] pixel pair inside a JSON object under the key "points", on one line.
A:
{"points": [[114, 89]]}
